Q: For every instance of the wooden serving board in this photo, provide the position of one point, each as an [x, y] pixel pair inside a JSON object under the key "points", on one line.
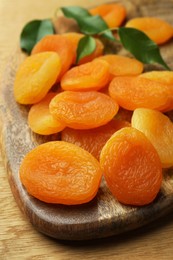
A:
{"points": [[103, 216]]}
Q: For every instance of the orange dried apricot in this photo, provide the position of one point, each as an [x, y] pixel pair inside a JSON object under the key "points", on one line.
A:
{"points": [[94, 139], [113, 14], [158, 128], [60, 172], [165, 77], [135, 92], [132, 167], [35, 77], [59, 44], [93, 75], [75, 38], [83, 110], [157, 29], [41, 121], [123, 66]]}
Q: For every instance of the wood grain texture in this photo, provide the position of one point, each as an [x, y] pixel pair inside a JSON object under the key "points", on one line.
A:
{"points": [[102, 217], [141, 244]]}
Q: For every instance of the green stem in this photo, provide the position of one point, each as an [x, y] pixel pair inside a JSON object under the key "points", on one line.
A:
{"points": [[110, 29]]}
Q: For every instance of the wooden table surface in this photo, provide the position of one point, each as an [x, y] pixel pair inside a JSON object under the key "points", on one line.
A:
{"points": [[18, 239]]}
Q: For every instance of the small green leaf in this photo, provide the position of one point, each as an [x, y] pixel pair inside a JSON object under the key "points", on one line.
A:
{"points": [[86, 46], [75, 12], [141, 46], [33, 32]]}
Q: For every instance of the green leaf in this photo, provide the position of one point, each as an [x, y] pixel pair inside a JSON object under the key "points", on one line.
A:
{"points": [[33, 32], [86, 46], [88, 24], [141, 46], [75, 12], [94, 25]]}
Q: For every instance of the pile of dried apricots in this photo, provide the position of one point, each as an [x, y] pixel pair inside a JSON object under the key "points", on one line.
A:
{"points": [[109, 113]]}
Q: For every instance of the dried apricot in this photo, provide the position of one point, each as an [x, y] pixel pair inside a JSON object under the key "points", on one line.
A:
{"points": [[158, 128], [132, 167], [94, 139], [123, 66], [165, 77], [75, 38], [93, 75], [60, 172], [59, 44], [83, 110], [135, 92], [113, 14], [157, 29], [40, 120], [35, 77]]}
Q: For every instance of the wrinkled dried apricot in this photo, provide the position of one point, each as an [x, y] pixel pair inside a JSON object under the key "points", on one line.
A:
{"points": [[132, 167], [75, 38], [157, 29], [165, 77], [94, 139], [60, 172], [158, 128], [40, 120], [93, 75], [123, 66], [135, 92], [59, 44], [113, 14], [83, 110], [35, 77]]}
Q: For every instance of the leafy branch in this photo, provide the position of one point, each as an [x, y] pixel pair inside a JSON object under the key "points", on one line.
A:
{"points": [[133, 40]]}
